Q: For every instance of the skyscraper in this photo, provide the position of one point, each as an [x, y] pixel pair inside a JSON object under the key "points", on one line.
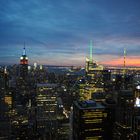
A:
{"points": [[5, 75], [89, 120], [95, 78], [46, 113], [124, 115], [24, 65]]}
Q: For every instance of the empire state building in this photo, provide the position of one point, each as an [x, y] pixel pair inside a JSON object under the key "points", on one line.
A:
{"points": [[24, 65]]}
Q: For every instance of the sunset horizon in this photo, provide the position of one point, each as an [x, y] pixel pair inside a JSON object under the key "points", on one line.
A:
{"points": [[58, 33]]}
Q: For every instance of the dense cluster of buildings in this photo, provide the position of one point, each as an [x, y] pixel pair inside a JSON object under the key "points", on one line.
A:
{"points": [[63, 103], [108, 104]]}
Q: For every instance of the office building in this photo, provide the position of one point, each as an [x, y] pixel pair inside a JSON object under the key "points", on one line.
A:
{"points": [[124, 115], [89, 120]]}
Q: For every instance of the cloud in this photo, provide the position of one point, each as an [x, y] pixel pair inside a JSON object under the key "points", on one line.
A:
{"points": [[63, 28]]}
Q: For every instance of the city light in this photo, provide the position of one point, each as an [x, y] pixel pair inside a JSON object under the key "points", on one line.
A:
{"points": [[65, 73], [137, 102], [138, 87]]}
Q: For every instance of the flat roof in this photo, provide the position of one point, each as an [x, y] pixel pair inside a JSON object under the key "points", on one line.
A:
{"points": [[88, 104]]}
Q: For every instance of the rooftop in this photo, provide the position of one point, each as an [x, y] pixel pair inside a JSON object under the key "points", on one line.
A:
{"points": [[88, 104]]}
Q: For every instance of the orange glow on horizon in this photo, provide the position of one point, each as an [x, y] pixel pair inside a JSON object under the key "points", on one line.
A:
{"points": [[130, 61]]}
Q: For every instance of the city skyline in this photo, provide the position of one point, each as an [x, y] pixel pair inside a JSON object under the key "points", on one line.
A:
{"points": [[58, 33]]}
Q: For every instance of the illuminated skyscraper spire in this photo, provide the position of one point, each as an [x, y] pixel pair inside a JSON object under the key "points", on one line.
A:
{"points": [[24, 64], [124, 64], [91, 59], [24, 50]]}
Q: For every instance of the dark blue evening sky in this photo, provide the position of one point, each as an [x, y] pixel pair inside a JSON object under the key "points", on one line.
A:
{"points": [[59, 31]]}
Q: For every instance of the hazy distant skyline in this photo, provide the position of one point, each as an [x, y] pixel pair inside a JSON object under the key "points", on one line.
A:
{"points": [[58, 32]]}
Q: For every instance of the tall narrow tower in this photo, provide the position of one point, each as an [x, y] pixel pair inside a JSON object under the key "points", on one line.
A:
{"points": [[6, 84], [91, 58], [124, 61], [124, 57], [24, 64]]}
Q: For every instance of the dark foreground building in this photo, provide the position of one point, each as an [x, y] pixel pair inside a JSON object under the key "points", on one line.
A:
{"points": [[89, 121]]}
